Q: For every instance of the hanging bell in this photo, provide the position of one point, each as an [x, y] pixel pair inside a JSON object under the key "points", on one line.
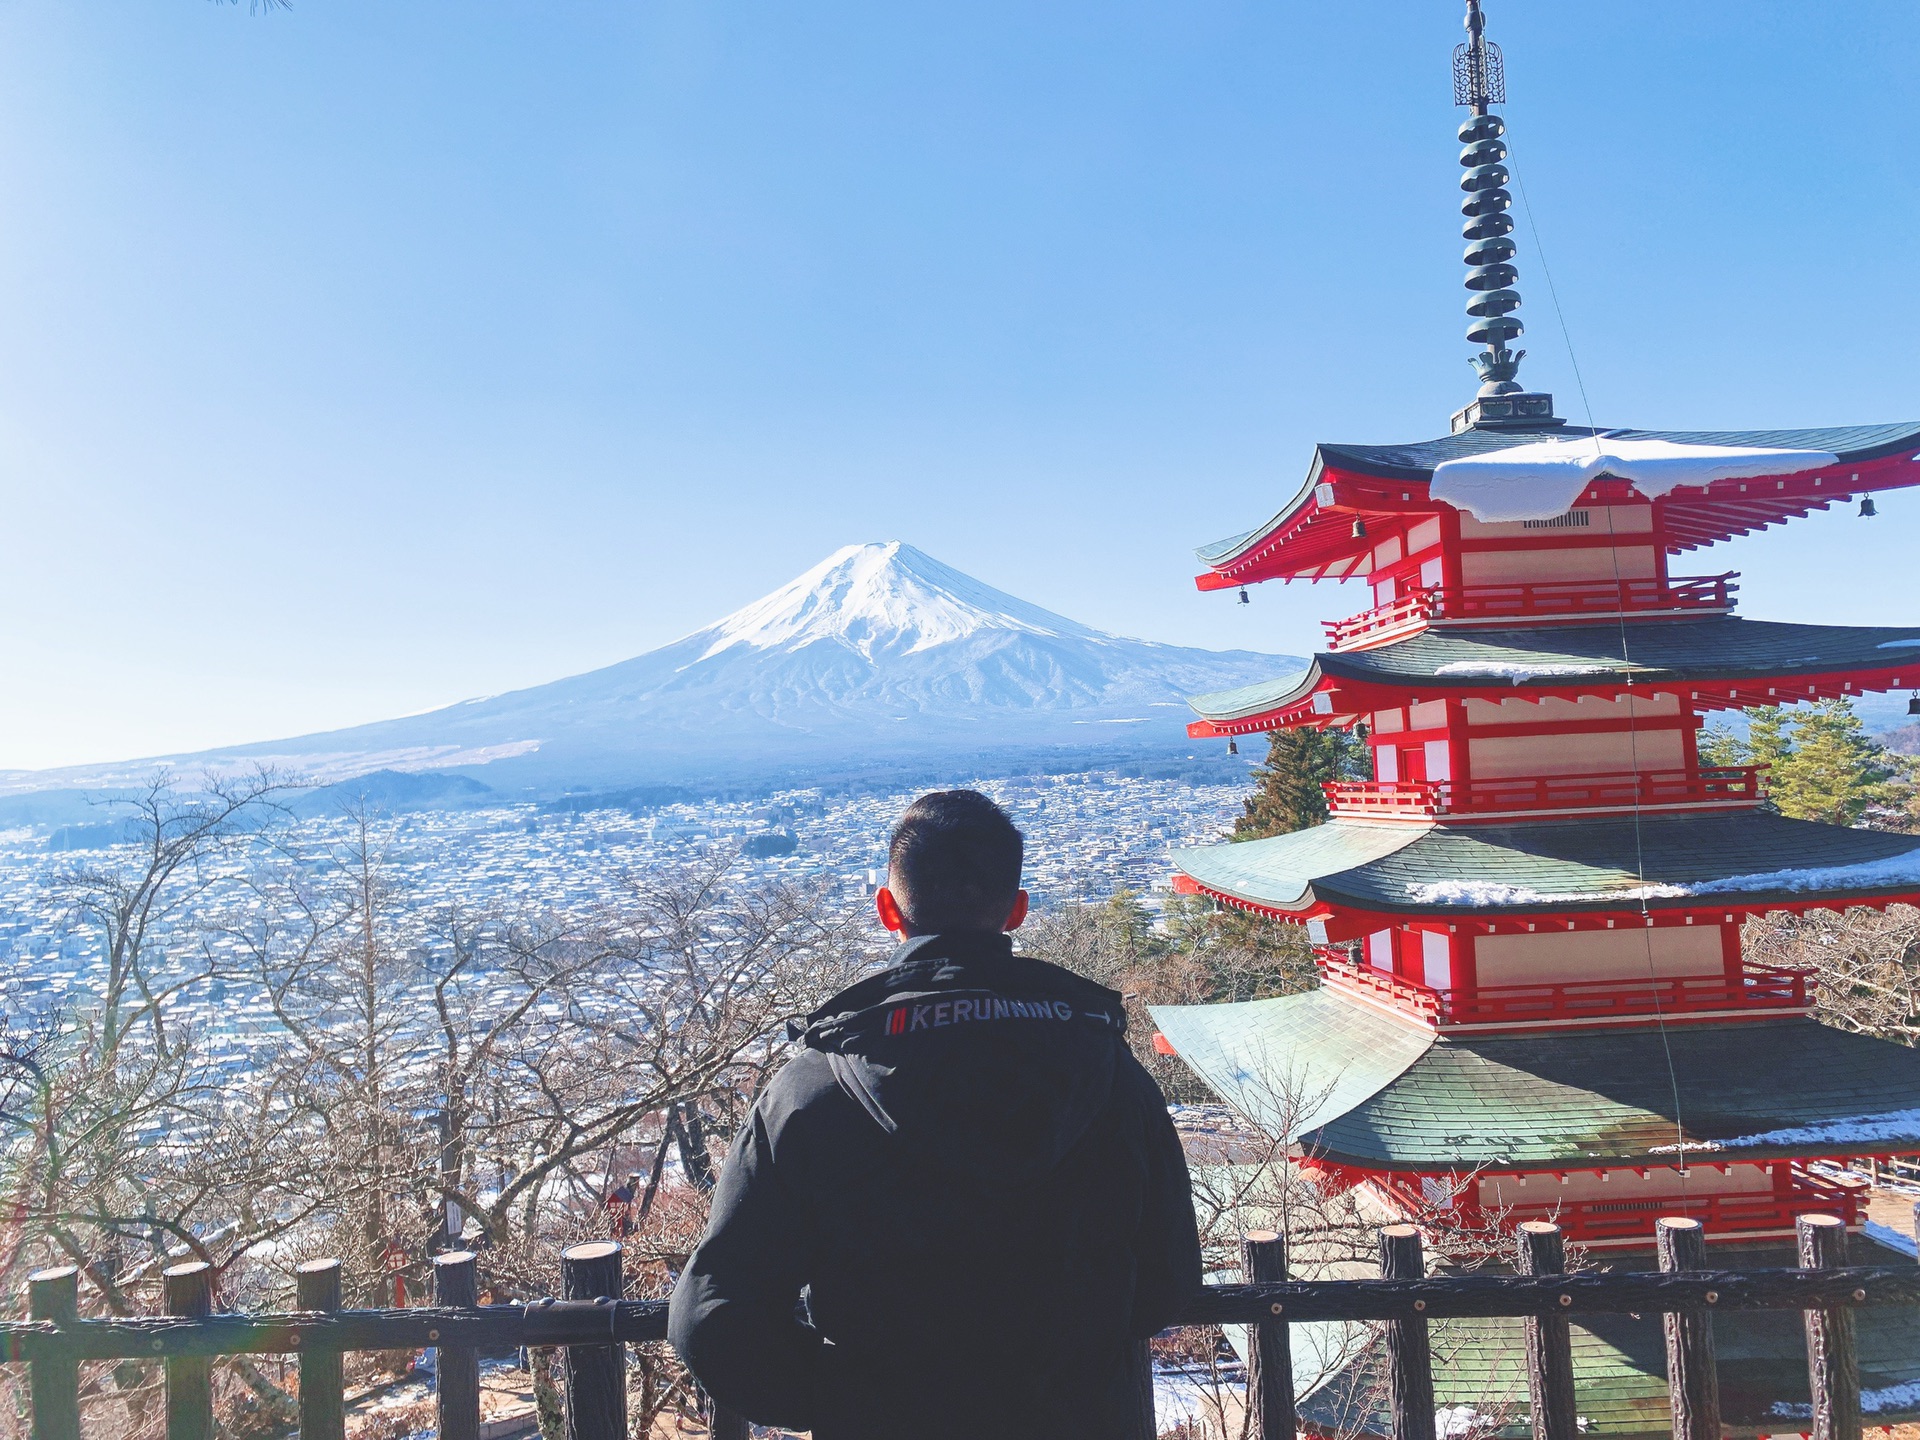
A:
{"points": [[1913, 703], [1233, 746], [1359, 528], [1867, 511], [1245, 599]]}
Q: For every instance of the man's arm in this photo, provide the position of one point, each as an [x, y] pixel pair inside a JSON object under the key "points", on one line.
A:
{"points": [[1167, 1246], [733, 1314]]}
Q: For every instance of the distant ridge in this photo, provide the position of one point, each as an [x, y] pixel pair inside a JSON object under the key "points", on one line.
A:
{"points": [[879, 658]]}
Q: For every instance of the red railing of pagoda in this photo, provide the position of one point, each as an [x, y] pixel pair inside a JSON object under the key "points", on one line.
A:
{"points": [[1599, 1221], [1759, 987], [1545, 600], [1624, 789]]}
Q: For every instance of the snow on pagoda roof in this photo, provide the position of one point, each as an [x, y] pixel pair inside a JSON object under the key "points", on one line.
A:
{"points": [[1311, 535], [1335, 1076], [1542, 480], [1722, 651], [1749, 860]]}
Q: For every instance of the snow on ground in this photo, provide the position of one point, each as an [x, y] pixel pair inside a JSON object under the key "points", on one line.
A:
{"points": [[1542, 480], [1193, 1398]]}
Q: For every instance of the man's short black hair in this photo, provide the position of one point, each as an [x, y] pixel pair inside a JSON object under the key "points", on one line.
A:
{"points": [[954, 863]]}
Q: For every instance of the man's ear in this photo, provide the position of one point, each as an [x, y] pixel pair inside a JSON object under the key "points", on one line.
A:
{"points": [[1017, 916], [888, 909]]}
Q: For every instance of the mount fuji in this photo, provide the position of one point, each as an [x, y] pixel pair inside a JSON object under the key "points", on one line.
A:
{"points": [[878, 657]]}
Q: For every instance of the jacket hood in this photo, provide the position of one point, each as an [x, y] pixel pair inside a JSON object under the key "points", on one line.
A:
{"points": [[985, 1063]]}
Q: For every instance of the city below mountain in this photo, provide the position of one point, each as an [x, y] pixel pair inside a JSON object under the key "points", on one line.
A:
{"points": [[879, 660]]}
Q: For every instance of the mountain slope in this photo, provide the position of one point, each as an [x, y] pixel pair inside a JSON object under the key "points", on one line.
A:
{"points": [[878, 655]]}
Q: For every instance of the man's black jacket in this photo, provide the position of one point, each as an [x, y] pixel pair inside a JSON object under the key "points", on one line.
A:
{"points": [[980, 1191]]}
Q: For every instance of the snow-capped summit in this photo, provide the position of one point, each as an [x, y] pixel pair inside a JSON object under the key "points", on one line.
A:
{"points": [[877, 656], [883, 599]]}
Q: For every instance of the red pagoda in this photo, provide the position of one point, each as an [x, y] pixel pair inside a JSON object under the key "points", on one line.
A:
{"points": [[1534, 1002]]}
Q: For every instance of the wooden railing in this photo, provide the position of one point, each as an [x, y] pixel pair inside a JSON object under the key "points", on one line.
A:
{"points": [[1758, 987], [1545, 600], [1710, 785], [594, 1324]]}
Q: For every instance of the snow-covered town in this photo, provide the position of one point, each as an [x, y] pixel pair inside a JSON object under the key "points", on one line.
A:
{"points": [[1088, 836]]}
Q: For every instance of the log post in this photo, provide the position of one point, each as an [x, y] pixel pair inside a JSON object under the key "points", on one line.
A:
{"points": [[1263, 1260], [188, 1291], [1693, 1384], [1409, 1354], [596, 1375], [1543, 1251], [456, 1369], [1833, 1361], [323, 1415], [55, 1295]]}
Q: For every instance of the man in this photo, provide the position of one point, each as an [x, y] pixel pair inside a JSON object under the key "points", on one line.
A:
{"points": [[966, 1172]]}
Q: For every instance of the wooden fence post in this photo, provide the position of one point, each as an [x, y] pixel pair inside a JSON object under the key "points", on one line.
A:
{"points": [[1693, 1384], [1833, 1361], [323, 1414], [1263, 1260], [1409, 1354], [1543, 1251], [55, 1295], [456, 1369], [596, 1375], [188, 1291]]}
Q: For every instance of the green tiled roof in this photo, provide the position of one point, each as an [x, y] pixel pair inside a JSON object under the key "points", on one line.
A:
{"points": [[1755, 1090], [1694, 652], [1670, 862], [1619, 1369], [1296, 1062]]}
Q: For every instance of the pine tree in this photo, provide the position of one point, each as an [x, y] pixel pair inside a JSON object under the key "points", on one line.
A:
{"points": [[1769, 741], [1286, 794], [1821, 765], [1831, 771]]}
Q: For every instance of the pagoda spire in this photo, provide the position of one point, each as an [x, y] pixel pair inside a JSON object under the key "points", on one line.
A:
{"points": [[1480, 83]]}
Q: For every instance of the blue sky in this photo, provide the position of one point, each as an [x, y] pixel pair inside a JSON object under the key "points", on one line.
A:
{"points": [[362, 358]]}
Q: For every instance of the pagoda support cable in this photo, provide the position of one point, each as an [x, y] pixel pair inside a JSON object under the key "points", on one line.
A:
{"points": [[1640, 855]]}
